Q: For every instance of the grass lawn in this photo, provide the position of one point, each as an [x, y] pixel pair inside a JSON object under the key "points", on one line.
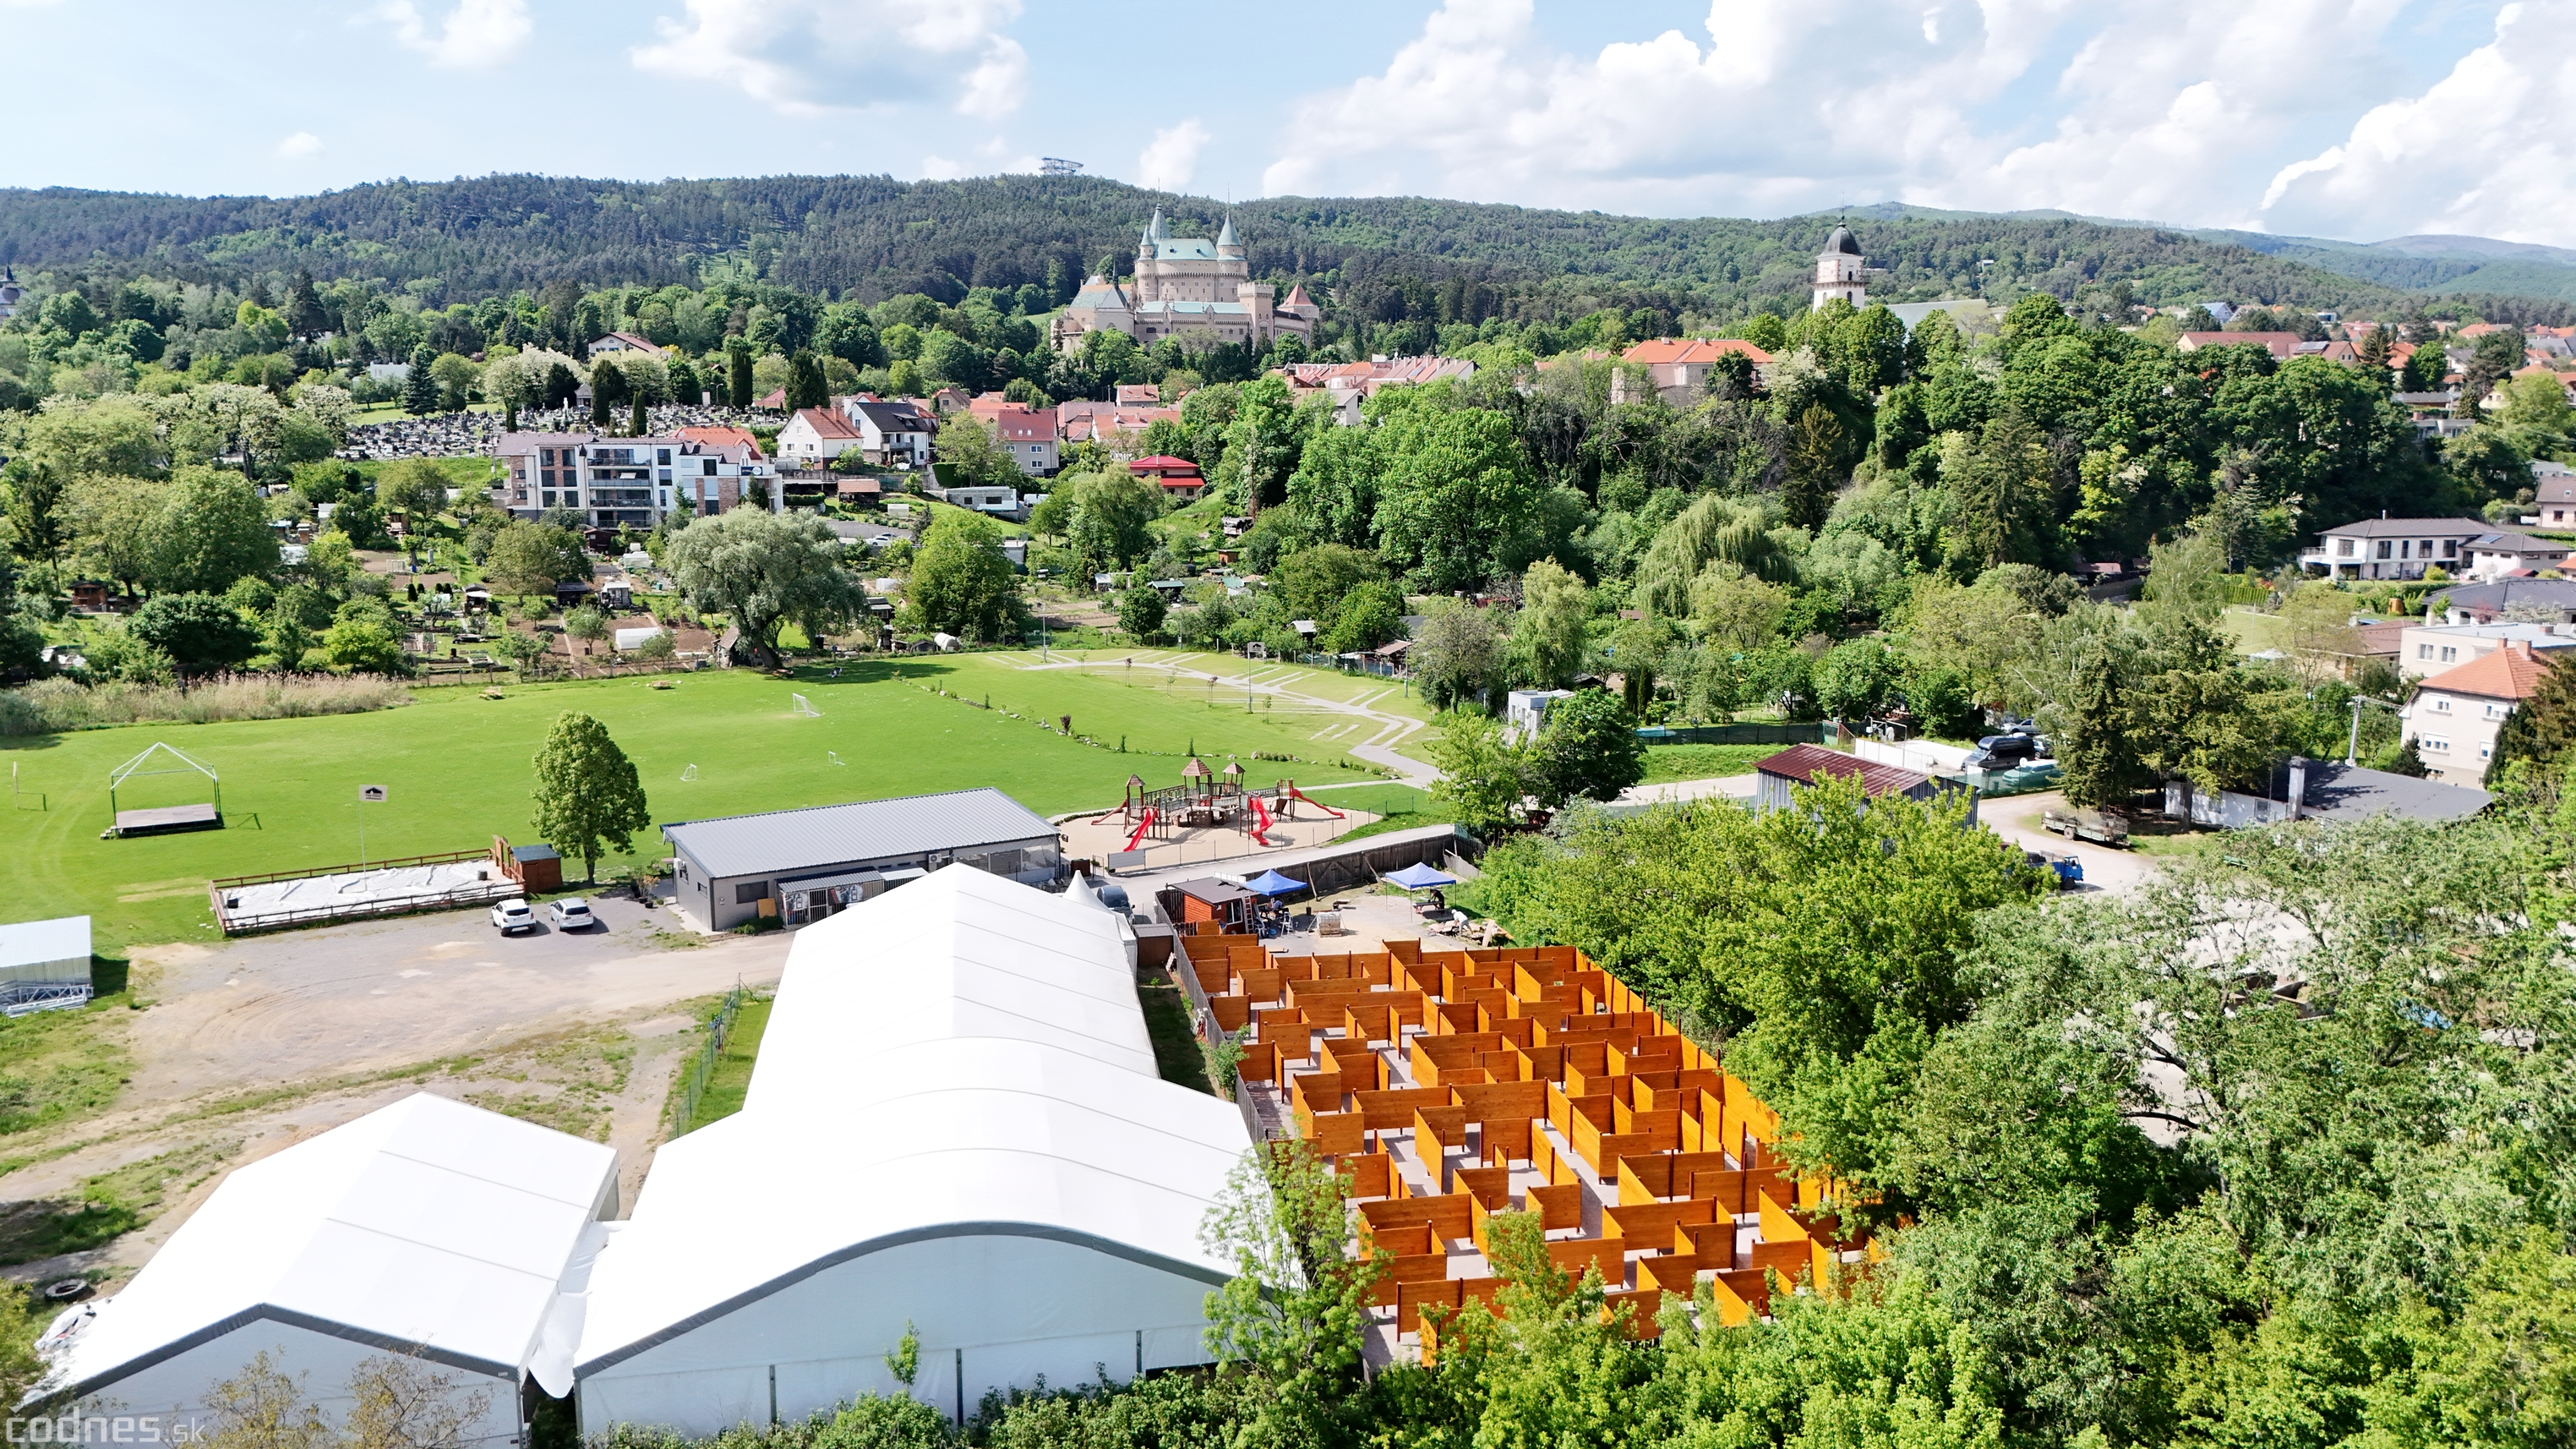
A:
{"points": [[731, 1079], [1177, 1057], [1666, 763], [2251, 631], [1400, 807], [457, 767]]}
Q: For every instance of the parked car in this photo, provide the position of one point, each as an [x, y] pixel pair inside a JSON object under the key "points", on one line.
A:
{"points": [[512, 916], [571, 915], [2069, 870]]}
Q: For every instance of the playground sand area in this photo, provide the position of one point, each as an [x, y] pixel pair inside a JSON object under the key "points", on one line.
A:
{"points": [[1294, 823]]}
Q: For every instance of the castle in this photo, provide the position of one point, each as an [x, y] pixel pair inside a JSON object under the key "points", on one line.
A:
{"points": [[1187, 287]]}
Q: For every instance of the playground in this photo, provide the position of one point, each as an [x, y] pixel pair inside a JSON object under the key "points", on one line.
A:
{"points": [[457, 771], [1210, 815]]}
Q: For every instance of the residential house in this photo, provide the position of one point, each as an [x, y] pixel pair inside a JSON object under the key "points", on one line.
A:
{"points": [[2554, 490], [1107, 424], [774, 402], [624, 342], [2428, 649], [622, 481], [950, 399], [1028, 435], [1525, 711], [1677, 368], [723, 437], [2393, 548], [982, 497], [814, 437], [2509, 600], [1348, 384], [2495, 555], [1180, 477], [2454, 716], [2282, 345], [1138, 395], [891, 434]]}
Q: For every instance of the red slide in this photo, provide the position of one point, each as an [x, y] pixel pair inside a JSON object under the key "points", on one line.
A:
{"points": [[1141, 827], [1261, 808], [1318, 804]]}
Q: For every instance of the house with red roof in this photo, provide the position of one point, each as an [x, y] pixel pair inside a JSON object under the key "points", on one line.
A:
{"points": [[2453, 717], [1779, 778], [1180, 477], [1028, 435], [1677, 367], [814, 437]]}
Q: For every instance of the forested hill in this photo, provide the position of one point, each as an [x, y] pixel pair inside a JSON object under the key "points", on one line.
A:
{"points": [[870, 237]]}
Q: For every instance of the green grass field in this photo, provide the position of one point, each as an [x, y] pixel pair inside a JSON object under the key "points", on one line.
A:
{"points": [[1665, 763], [730, 1081], [457, 768]]}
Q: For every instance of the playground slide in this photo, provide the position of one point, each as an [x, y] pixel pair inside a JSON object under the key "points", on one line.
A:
{"points": [[1318, 804], [1261, 808], [1141, 827]]}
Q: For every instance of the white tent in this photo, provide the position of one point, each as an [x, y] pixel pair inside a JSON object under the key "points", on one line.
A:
{"points": [[955, 1123], [427, 1227]]}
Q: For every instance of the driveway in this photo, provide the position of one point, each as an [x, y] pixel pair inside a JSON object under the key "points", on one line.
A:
{"points": [[2016, 819], [342, 999]]}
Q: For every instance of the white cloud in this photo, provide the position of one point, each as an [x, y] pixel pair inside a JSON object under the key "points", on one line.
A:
{"points": [[2173, 110], [935, 167], [1172, 157], [812, 58], [2483, 151], [300, 145], [476, 33]]}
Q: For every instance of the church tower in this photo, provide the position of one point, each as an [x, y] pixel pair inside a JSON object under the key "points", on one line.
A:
{"points": [[1838, 271]]}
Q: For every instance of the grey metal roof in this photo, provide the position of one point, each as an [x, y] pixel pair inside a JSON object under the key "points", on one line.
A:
{"points": [[2408, 528], [910, 825], [2348, 792], [2547, 593]]}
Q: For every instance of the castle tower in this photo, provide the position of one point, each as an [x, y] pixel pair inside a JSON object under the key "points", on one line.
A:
{"points": [[1839, 271], [1226, 246]]}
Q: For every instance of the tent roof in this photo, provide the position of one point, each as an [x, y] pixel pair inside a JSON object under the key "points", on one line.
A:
{"points": [[962, 1056], [38, 943], [426, 1225]]}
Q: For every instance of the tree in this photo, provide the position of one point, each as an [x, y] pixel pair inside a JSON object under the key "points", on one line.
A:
{"points": [[116, 522], [399, 1402], [37, 527], [416, 488], [1107, 517], [197, 631], [1141, 611], [737, 373], [587, 622], [1588, 749], [1457, 490], [607, 388], [456, 378], [806, 387], [528, 558], [1457, 654], [588, 798], [263, 1408], [420, 386], [21, 1367], [961, 582], [2542, 727], [361, 640], [1295, 1309], [968, 454], [1484, 774], [764, 570], [1547, 635]]}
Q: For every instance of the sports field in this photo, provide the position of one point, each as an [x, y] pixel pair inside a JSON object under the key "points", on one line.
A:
{"points": [[456, 765]]}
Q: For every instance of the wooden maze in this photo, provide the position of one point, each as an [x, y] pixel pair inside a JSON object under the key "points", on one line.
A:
{"points": [[1451, 1085]]}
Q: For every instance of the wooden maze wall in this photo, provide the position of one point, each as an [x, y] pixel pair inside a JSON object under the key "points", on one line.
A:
{"points": [[1451, 1085]]}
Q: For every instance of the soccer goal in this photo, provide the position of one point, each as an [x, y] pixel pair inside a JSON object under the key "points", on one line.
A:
{"points": [[805, 707], [690, 773]]}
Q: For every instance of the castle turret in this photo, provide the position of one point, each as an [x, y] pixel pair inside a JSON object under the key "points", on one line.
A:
{"points": [[1226, 245]]}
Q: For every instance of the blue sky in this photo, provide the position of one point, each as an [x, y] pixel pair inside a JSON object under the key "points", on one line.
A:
{"points": [[2358, 118]]}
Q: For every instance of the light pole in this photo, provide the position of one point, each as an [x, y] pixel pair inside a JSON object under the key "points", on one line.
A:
{"points": [[2352, 746]]}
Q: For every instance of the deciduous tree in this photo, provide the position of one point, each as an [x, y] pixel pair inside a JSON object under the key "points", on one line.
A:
{"points": [[588, 798]]}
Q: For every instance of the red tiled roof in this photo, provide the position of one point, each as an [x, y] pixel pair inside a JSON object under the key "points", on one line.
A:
{"points": [[2512, 671], [1812, 764], [1162, 464], [1025, 426], [828, 423], [726, 438], [1663, 350]]}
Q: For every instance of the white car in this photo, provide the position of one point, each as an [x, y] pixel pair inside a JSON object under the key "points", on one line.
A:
{"points": [[512, 916], [570, 915]]}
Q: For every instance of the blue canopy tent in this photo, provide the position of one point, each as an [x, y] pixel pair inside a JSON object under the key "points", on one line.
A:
{"points": [[1272, 883], [1420, 877]]}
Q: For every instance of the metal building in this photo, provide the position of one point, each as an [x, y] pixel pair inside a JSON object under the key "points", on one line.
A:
{"points": [[804, 865]]}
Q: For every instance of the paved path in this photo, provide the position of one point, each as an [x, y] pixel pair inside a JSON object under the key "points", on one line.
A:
{"points": [[2016, 819]]}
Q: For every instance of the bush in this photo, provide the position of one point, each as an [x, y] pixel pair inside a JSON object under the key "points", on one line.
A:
{"points": [[55, 705], [197, 631]]}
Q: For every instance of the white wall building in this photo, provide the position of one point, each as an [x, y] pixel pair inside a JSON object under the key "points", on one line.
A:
{"points": [[955, 1123], [631, 481], [2454, 716], [427, 1228], [1839, 272]]}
